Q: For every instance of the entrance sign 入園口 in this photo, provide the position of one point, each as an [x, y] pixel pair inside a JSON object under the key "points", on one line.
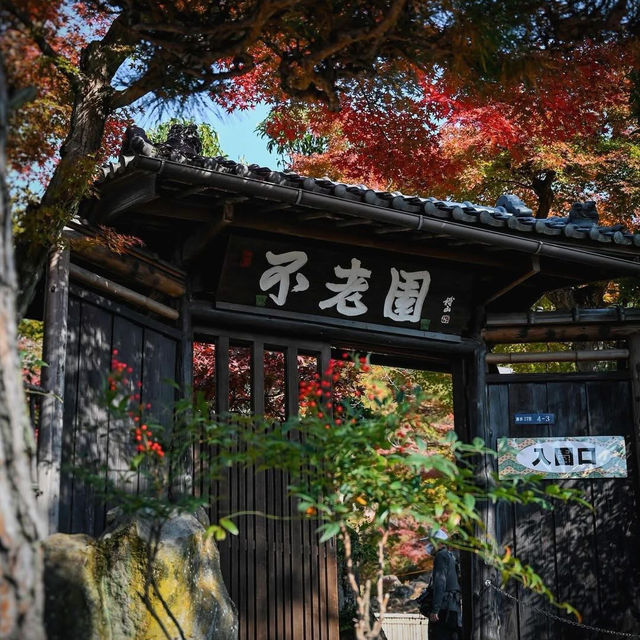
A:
{"points": [[570, 457]]}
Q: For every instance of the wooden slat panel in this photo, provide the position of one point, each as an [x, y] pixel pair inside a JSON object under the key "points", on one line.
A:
{"points": [[182, 481], [535, 529], [158, 366], [499, 421], [275, 571], [222, 493], [332, 591], [296, 523], [121, 447], [91, 432], [70, 414], [615, 501], [575, 543], [259, 626], [309, 551], [328, 584], [274, 552], [323, 613]]}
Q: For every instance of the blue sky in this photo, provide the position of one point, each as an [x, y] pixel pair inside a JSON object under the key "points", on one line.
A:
{"points": [[239, 140], [236, 132]]}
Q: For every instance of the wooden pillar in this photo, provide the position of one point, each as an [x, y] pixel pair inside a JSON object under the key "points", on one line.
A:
{"points": [[484, 617], [54, 352], [633, 343], [183, 474]]}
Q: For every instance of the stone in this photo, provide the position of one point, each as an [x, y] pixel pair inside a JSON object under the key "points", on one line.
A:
{"points": [[105, 588]]}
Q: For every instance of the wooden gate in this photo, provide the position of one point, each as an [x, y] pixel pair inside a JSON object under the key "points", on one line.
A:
{"points": [[283, 582], [587, 558]]}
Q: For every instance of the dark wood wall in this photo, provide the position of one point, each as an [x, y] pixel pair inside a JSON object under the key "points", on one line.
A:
{"points": [[92, 439], [283, 582], [590, 559]]}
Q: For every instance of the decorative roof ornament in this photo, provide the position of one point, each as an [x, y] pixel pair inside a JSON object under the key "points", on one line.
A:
{"points": [[583, 214], [512, 204]]}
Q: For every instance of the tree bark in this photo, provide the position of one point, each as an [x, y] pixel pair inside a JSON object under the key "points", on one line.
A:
{"points": [[69, 183], [21, 599], [542, 185]]}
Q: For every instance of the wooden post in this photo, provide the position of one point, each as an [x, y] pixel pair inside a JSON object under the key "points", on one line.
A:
{"points": [[485, 606], [633, 344], [183, 474], [54, 352]]}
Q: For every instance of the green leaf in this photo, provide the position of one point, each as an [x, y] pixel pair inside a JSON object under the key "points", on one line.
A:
{"points": [[229, 525], [329, 530], [136, 460], [218, 532]]}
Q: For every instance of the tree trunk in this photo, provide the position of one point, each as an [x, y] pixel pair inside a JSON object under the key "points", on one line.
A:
{"points": [[542, 185], [21, 600], [69, 183], [73, 175]]}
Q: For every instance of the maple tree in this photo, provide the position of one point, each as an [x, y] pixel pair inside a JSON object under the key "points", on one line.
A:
{"points": [[90, 61], [572, 134]]}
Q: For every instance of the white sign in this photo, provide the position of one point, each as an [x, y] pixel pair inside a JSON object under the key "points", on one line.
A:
{"points": [[571, 457]]}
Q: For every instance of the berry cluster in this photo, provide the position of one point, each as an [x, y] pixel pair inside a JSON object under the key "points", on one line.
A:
{"points": [[117, 381]]}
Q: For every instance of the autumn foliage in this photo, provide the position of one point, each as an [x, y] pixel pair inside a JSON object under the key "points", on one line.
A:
{"points": [[403, 74], [569, 134]]}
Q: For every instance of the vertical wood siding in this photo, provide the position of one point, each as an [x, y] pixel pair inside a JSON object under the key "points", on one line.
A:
{"points": [[93, 439], [283, 582], [588, 558]]}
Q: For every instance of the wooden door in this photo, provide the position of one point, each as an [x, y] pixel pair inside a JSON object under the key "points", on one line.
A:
{"points": [[587, 558], [282, 580]]}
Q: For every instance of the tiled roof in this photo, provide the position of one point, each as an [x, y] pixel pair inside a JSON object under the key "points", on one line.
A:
{"points": [[509, 214]]}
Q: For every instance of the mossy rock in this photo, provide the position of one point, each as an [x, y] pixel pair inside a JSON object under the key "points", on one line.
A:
{"points": [[106, 589]]}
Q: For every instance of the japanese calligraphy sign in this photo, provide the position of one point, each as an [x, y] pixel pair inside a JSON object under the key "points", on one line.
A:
{"points": [[353, 284], [574, 457]]}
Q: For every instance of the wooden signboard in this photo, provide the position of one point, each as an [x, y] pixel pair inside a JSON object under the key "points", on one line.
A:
{"points": [[354, 285], [569, 457]]}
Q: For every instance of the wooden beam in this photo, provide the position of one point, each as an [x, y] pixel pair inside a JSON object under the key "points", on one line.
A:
{"points": [[595, 355], [171, 208], [293, 227], [124, 265], [561, 333], [118, 291], [195, 245]]}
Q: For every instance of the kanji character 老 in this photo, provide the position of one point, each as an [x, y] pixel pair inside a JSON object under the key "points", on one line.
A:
{"points": [[347, 300]]}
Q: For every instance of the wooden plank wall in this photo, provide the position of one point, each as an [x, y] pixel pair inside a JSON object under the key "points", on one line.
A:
{"points": [[91, 437], [587, 558], [283, 582]]}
